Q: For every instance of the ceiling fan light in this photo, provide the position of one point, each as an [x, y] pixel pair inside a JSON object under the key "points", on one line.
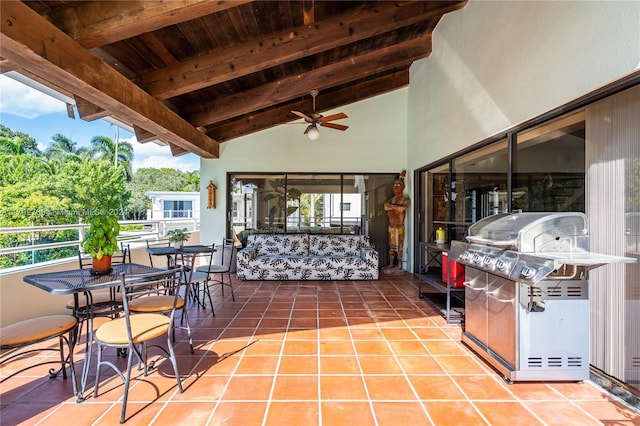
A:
{"points": [[313, 133]]}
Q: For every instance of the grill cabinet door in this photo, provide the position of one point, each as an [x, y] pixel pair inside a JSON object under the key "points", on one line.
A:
{"points": [[501, 311], [475, 304]]}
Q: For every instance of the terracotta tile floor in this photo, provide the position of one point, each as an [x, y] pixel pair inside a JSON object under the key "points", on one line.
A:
{"points": [[318, 353]]}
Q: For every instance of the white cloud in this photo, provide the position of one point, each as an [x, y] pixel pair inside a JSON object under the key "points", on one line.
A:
{"points": [[185, 163], [152, 155], [23, 101]]}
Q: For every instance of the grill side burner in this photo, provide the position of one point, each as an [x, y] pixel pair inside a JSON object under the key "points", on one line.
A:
{"points": [[526, 297]]}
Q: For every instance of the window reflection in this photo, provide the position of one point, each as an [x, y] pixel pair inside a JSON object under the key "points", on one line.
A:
{"points": [[308, 203], [549, 167]]}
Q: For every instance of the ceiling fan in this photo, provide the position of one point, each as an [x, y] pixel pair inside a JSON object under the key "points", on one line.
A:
{"points": [[314, 119]]}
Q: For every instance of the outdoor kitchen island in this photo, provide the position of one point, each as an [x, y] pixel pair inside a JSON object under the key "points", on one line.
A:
{"points": [[527, 293]]}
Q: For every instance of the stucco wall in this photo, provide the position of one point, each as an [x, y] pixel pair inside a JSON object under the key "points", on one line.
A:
{"points": [[374, 142], [496, 64]]}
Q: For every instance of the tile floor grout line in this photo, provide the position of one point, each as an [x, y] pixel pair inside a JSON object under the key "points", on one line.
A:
{"points": [[382, 299], [279, 362], [405, 375], [447, 374]]}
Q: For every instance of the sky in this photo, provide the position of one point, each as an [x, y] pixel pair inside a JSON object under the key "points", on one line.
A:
{"points": [[39, 115]]}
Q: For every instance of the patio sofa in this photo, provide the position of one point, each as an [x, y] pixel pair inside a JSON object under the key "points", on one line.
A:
{"points": [[307, 257]]}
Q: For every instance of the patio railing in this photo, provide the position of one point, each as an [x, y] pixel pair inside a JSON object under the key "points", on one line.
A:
{"points": [[32, 239]]}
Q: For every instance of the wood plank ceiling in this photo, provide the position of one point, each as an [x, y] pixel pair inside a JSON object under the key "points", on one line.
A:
{"points": [[196, 73]]}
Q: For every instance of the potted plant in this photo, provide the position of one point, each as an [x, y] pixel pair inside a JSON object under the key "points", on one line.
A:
{"points": [[178, 237], [100, 190], [101, 242]]}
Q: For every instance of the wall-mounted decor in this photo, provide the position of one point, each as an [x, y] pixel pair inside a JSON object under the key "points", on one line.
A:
{"points": [[211, 195]]}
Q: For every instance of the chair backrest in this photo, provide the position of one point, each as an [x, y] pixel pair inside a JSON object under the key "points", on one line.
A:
{"points": [[191, 261], [168, 282], [160, 242], [123, 256], [227, 252], [228, 244], [125, 249], [84, 260]]}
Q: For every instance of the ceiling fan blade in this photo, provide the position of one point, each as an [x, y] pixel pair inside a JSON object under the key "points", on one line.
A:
{"points": [[332, 117], [334, 126], [303, 115]]}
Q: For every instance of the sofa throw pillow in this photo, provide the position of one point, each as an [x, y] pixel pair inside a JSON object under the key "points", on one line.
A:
{"points": [[272, 244], [329, 245]]}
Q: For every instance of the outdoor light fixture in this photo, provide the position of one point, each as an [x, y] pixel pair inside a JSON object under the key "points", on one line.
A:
{"points": [[313, 133]]}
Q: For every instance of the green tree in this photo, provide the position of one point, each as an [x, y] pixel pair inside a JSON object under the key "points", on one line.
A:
{"points": [[22, 168], [97, 187], [104, 148], [192, 181], [65, 148], [17, 142]]}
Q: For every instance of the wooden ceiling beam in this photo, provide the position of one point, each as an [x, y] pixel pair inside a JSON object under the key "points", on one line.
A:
{"points": [[99, 23], [251, 123], [260, 54], [89, 111], [36, 45], [143, 136], [342, 72], [6, 66], [177, 151]]}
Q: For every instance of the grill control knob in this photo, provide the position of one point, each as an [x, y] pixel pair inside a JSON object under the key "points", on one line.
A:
{"points": [[477, 258], [465, 256], [528, 272], [488, 261], [501, 265]]}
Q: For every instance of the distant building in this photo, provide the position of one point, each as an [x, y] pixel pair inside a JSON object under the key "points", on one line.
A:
{"points": [[173, 205]]}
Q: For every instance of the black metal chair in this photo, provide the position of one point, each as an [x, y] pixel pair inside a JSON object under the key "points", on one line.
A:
{"points": [[134, 332], [28, 333], [221, 269], [160, 242], [98, 304], [90, 305], [197, 280]]}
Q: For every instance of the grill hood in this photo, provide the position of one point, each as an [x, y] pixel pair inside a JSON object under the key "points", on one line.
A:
{"points": [[528, 247]]}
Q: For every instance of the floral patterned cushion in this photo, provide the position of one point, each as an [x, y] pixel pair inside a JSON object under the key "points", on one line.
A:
{"points": [[332, 245], [294, 245], [289, 257]]}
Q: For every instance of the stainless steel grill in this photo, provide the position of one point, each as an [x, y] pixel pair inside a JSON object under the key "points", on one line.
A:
{"points": [[527, 295]]}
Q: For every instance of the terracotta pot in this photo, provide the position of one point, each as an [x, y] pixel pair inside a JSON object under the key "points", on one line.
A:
{"points": [[103, 264]]}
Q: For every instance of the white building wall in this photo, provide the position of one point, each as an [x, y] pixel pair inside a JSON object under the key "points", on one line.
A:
{"points": [[159, 197]]}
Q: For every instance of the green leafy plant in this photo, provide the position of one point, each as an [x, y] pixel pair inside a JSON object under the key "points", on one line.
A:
{"points": [[100, 189], [178, 235], [101, 238], [279, 199]]}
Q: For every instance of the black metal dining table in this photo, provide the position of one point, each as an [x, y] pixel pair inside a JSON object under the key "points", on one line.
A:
{"points": [[171, 251], [77, 281]]}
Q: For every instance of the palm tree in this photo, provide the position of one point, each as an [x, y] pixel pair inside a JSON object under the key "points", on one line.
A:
{"points": [[120, 154], [64, 149]]}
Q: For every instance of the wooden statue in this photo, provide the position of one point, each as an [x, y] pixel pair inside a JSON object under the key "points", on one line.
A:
{"points": [[396, 208]]}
